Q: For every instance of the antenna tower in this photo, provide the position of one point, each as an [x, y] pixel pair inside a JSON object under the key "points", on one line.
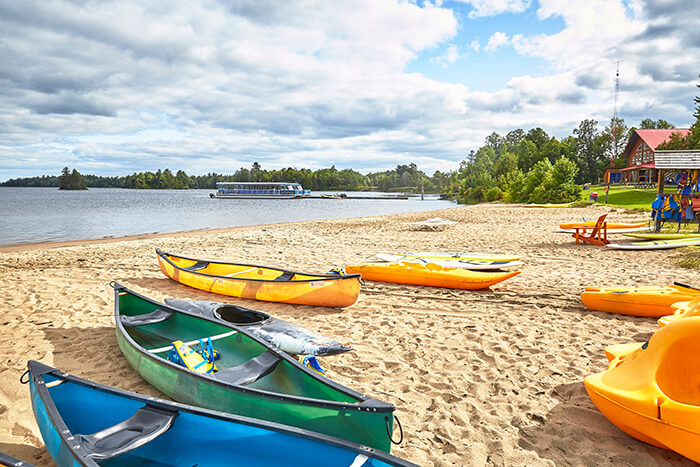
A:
{"points": [[614, 119]]}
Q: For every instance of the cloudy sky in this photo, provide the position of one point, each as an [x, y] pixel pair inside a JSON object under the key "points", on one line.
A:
{"points": [[113, 87]]}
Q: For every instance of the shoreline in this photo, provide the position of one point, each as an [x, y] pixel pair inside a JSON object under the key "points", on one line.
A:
{"points": [[490, 377], [147, 236]]}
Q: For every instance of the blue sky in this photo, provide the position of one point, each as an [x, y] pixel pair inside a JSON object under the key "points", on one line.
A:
{"points": [[114, 87]]}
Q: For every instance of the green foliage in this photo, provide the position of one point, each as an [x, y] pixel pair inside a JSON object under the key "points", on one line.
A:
{"points": [[513, 184], [648, 124], [405, 178], [494, 194], [71, 180]]}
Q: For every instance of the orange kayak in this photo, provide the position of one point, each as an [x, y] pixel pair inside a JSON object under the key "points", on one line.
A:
{"points": [[683, 310], [653, 301], [610, 225], [653, 393], [261, 282], [429, 274]]}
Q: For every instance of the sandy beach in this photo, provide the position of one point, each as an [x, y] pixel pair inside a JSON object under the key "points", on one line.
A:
{"points": [[489, 377]]}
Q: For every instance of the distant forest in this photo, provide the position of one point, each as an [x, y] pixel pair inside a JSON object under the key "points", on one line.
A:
{"points": [[404, 178]]}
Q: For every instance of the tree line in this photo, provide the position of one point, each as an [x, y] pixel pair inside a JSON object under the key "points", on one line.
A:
{"points": [[403, 178]]}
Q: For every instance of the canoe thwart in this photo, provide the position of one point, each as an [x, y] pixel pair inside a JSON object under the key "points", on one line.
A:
{"points": [[197, 266], [194, 341], [250, 371], [144, 426], [153, 317], [286, 276]]}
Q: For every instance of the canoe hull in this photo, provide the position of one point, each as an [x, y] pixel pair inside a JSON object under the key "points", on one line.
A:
{"points": [[636, 301], [69, 408], [430, 275], [344, 413], [328, 292]]}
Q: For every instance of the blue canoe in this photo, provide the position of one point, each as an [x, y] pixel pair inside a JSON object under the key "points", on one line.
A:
{"points": [[88, 424], [9, 461]]}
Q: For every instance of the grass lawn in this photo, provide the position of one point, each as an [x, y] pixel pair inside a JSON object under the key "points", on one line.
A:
{"points": [[624, 197]]}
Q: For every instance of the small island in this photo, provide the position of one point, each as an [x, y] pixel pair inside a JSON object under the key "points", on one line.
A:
{"points": [[71, 180]]}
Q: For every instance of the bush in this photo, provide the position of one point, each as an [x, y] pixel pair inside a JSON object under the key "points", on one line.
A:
{"points": [[494, 194]]}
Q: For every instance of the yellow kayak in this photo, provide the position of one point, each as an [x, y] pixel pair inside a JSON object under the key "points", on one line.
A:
{"points": [[654, 301], [261, 282], [651, 393], [430, 274], [609, 226]]}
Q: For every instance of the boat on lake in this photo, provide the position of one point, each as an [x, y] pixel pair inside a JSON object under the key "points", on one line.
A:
{"points": [[259, 190]]}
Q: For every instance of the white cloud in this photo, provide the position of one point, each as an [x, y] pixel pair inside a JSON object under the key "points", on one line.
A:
{"points": [[483, 8], [497, 39], [474, 45], [450, 55]]}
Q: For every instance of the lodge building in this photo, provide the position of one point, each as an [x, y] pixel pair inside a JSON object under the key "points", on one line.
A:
{"points": [[640, 151]]}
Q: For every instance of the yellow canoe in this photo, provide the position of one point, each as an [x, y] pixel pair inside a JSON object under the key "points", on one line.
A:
{"points": [[429, 274], [261, 282], [654, 301], [610, 225], [653, 393]]}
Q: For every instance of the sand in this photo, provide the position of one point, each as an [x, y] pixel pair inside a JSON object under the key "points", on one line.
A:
{"points": [[489, 377]]}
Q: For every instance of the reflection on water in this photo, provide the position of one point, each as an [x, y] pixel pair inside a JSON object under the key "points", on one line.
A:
{"points": [[48, 214]]}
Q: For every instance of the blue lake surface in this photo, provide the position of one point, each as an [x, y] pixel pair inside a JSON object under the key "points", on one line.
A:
{"points": [[29, 215]]}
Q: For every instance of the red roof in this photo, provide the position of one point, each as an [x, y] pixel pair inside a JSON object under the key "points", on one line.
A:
{"points": [[655, 137], [649, 165]]}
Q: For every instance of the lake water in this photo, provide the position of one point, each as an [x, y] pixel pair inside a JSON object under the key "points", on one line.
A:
{"points": [[29, 215]]}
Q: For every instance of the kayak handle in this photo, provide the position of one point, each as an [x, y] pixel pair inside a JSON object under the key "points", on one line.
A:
{"points": [[21, 378], [680, 284], [386, 420]]}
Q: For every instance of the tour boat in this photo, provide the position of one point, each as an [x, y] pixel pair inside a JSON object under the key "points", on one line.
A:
{"points": [[259, 190]]}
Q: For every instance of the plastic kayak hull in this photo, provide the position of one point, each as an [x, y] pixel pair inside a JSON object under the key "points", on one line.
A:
{"points": [[460, 256], [430, 274], [661, 236], [656, 244], [278, 333], [609, 225], [653, 392], [652, 301], [252, 379], [89, 424], [261, 282], [473, 264], [682, 310]]}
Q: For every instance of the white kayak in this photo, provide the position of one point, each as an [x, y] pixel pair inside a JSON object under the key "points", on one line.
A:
{"points": [[472, 264], [656, 244], [610, 231], [459, 256]]}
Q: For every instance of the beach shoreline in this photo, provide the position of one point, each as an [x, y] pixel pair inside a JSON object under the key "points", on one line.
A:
{"points": [[477, 377]]}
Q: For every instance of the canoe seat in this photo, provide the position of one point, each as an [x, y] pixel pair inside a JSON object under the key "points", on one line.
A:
{"points": [[286, 276], [149, 318], [197, 266], [144, 426], [250, 371]]}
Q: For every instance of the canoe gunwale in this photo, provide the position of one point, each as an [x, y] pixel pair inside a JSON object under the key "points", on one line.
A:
{"points": [[165, 256], [366, 404], [38, 370]]}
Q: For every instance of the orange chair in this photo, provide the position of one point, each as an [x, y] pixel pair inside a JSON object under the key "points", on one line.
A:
{"points": [[598, 236]]}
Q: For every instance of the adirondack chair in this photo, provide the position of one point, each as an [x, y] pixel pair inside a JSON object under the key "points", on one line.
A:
{"points": [[597, 236]]}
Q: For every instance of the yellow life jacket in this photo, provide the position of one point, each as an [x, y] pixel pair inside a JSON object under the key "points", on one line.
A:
{"points": [[191, 359]]}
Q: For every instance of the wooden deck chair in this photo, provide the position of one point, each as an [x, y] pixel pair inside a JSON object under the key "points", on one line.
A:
{"points": [[597, 236]]}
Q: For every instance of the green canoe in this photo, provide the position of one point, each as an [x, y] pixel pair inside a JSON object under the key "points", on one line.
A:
{"points": [[253, 379]]}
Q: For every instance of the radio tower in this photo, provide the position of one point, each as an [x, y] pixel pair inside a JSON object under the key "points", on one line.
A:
{"points": [[614, 119]]}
